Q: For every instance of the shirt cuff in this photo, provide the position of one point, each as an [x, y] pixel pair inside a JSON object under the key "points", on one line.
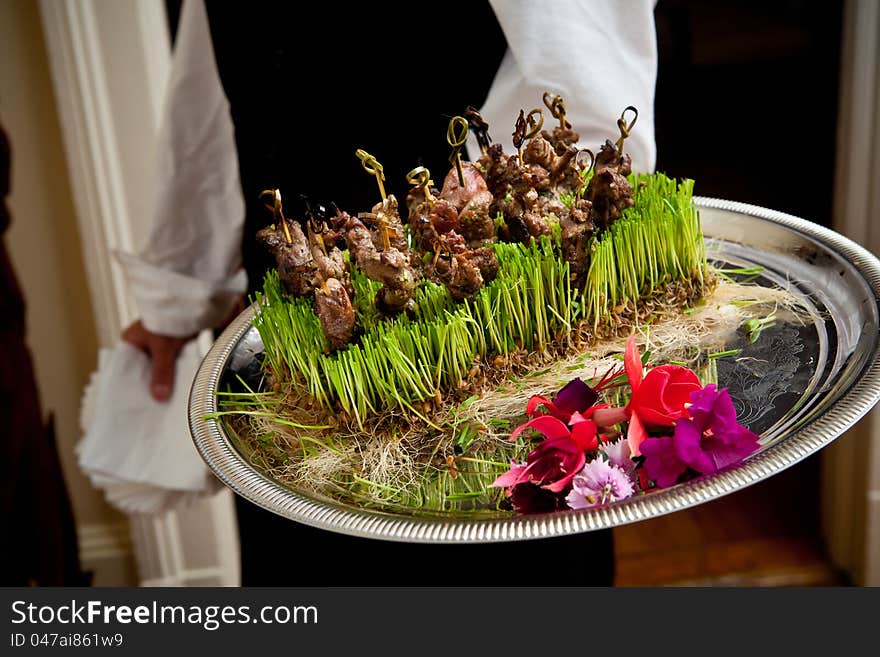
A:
{"points": [[175, 304]]}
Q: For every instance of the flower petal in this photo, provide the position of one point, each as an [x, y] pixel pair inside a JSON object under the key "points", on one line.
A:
{"points": [[632, 363], [528, 498], [576, 396], [516, 475], [584, 435], [688, 444], [605, 418], [661, 461], [546, 425], [635, 434], [539, 400]]}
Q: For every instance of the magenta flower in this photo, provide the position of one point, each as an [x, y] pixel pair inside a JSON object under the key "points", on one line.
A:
{"points": [[662, 463], [599, 483], [712, 438]]}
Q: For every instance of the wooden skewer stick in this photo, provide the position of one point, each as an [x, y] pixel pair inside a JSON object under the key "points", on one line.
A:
{"points": [[625, 128], [383, 230], [519, 134], [457, 139], [534, 124], [578, 161], [371, 165], [556, 106], [479, 127], [272, 200], [420, 177]]}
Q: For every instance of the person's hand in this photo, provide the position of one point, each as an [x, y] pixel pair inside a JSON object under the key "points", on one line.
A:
{"points": [[163, 351]]}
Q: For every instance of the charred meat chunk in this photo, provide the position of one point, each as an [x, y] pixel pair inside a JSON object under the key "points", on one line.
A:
{"points": [[335, 312], [561, 138], [472, 201], [460, 276], [296, 268], [609, 191], [384, 222], [390, 266], [577, 231]]}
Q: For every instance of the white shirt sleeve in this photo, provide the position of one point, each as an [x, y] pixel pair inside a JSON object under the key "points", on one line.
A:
{"points": [[600, 55], [188, 276]]}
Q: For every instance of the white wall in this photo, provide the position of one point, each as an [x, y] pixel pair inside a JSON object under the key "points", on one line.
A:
{"points": [[46, 251]]}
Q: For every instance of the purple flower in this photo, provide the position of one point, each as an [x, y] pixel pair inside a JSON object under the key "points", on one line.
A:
{"points": [[576, 397], [712, 439], [662, 463], [619, 455], [598, 483]]}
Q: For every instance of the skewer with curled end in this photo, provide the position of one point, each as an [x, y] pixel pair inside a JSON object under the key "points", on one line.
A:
{"points": [[463, 203], [563, 135], [609, 190], [421, 202], [478, 125], [456, 137], [526, 127], [388, 261], [285, 240], [455, 270], [384, 216]]}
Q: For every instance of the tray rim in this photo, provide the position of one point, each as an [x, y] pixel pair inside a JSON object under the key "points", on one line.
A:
{"points": [[215, 447]]}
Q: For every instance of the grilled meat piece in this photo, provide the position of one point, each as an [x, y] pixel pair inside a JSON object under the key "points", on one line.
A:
{"points": [[391, 267], [296, 268], [611, 194], [609, 156], [472, 201], [385, 214], [329, 263], [609, 191], [460, 276], [564, 175], [494, 164], [335, 312], [485, 260], [577, 231], [561, 138]]}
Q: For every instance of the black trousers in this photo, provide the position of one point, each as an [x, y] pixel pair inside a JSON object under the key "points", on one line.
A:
{"points": [[279, 552]]}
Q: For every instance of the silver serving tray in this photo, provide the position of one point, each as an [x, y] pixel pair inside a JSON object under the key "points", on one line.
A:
{"points": [[800, 387]]}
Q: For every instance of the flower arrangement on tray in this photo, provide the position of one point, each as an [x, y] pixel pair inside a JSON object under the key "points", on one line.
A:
{"points": [[675, 427], [407, 363]]}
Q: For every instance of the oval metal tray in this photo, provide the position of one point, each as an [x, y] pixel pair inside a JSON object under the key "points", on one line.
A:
{"points": [[800, 387]]}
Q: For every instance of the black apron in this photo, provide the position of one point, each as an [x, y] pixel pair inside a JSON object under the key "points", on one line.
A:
{"points": [[307, 89]]}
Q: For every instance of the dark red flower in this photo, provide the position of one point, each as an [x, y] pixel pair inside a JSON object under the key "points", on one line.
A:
{"points": [[575, 397], [528, 498]]}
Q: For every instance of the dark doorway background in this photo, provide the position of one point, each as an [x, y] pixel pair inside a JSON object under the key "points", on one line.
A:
{"points": [[747, 99], [747, 96]]}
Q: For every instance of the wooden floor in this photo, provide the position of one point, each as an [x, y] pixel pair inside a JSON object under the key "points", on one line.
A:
{"points": [[765, 535]]}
